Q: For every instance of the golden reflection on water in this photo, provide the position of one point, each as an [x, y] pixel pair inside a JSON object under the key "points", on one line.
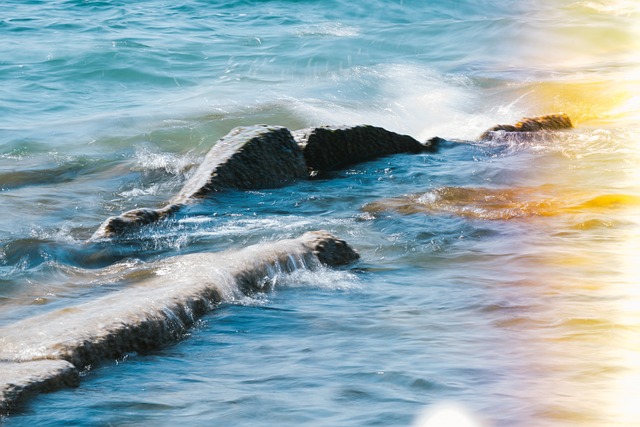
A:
{"points": [[624, 400], [584, 200], [586, 264], [503, 203], [589, 101], [593, 50]]}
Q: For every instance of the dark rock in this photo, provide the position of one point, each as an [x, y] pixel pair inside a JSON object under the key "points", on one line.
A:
{"points": [[132, 220], [435, 142], [21, 380], [329, 250], [256, 157], [46, 351], [332, 147], [247, 158], [548, 122]]}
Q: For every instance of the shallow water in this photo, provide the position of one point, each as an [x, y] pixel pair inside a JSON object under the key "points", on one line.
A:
{"points": [[500, 276]]}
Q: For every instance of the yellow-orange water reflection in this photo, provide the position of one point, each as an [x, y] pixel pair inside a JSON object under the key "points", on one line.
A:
{"points": [[623, 400], [594, 102], [593, 53], [592, 210], [503, 204], [583, 259]]}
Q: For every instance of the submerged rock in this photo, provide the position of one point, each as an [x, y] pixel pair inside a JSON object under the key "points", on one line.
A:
{"points": [[21, 380], [481, 203], [548, 122], [46, 352], [248, 158], [510, 203], [131, 221], [332, 147]]}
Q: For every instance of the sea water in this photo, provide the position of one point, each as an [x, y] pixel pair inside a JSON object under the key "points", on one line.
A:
{"points": [[499, 281]]}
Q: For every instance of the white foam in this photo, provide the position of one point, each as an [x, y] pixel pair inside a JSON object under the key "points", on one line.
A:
{"points": [[447, 415], [286, 226], [335, 29], [148, 159], [321, 278], [614, 7], [407, 99], [152, 190]]}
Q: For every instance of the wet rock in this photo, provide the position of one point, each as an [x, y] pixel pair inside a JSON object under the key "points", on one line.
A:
{"points": [[20, 380], [256, 157], [131, 221], [248, 158], [330, 250], [548, 122], [434, 142], [45, 352], [332, 147]]}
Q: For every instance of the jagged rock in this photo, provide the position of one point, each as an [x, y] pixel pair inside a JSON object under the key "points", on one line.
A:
{"points": [[247, 158], [548, 122], [435, 142], [132, 220], [332, 147], [262, 156], [45, 352], [330, 250]]}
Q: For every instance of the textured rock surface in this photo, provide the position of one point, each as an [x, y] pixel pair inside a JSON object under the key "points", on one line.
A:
{"points": [[248, 158], [18, 381], [132, 220], [156, 310], [333, 147], [530, 124], [262, 156]]}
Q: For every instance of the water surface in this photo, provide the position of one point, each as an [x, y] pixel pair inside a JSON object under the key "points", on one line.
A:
{"points": [[500, 276]]}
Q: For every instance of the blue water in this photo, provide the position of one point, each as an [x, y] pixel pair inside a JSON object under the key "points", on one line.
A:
{"points": [[498, 277]]}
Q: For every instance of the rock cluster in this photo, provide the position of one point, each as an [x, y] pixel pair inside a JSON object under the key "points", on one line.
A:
{"points": [[262, 156], [46, 352]]}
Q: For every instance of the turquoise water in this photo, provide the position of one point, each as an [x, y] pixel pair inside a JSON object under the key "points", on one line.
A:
{"points": [[499, 277]]}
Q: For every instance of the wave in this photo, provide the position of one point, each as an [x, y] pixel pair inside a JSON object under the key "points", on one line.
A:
{"points": [[157, 309]]}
